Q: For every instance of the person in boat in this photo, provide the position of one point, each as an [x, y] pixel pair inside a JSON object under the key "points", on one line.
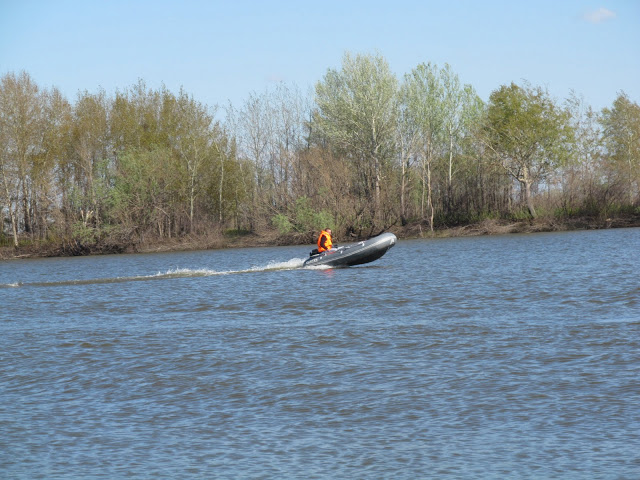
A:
{"points": [[325, 242]]}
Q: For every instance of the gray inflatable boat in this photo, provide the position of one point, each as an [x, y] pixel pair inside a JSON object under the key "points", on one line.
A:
{"points": [[354, 254]]}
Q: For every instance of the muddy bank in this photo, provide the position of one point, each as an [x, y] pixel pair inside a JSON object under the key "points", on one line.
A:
{"points": [[503, 227], [219, 240]]}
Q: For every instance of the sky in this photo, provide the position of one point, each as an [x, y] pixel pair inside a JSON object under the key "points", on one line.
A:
{"points": [[222, 52]]}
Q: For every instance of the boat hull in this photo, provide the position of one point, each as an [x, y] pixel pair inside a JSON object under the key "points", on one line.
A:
{"points": [[354, 254]]}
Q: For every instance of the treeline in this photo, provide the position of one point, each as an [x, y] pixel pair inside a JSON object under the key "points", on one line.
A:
{"points": [[365, 152]]}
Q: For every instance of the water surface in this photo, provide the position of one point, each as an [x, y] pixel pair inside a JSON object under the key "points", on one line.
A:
{"points": [[490, 357]]}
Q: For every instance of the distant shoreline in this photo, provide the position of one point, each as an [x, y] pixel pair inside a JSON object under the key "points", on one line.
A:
{"points": [[218, 241]]}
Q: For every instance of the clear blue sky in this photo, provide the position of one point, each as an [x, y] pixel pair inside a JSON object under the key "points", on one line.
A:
{"points": [[222, 51]]}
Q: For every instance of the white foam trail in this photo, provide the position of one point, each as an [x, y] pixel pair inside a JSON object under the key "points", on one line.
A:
{"points": [[205, 272], [319, 267], [288, 265], [292, 264]]}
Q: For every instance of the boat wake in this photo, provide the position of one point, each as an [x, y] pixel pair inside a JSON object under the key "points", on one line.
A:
{"points": [[292, 264]]}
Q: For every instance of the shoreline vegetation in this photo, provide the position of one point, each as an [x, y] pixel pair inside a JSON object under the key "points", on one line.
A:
{"points": [[231, 239], [421, 155]]}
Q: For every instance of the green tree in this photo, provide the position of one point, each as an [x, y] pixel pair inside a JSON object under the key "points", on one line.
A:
{"points": [[22, 121], [192, 137], [422, 96], [52, 166], [461, 108], [581, 178], [408, 141], [142, 194], [90, 150], [356, 116], [621, 125], [528, 135]]}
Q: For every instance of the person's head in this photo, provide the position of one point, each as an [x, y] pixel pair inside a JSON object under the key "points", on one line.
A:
{"points": [[328, 230]]}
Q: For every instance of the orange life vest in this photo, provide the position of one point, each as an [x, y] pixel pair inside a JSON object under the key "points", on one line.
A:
{"points": [[327, 241]]}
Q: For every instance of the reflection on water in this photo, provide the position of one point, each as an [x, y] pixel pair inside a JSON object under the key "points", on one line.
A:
{"points": [[492, 357]]}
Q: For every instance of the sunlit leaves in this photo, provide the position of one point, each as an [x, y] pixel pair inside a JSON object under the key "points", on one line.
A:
{"points": [[528, 134]]}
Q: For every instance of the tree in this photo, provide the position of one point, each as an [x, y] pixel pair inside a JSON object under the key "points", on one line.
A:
{"points": [[621, 125], [408, 141], [8, 175], [90, 140], [226, 183], [461, 108], [52, 181], [422, 97], [289, 115], [251, 128], [190, 129], [581, 178], [8, 164], [527, 134], [271, 130], [356, 116], [22, 119], [135, 118], [140, 199]]}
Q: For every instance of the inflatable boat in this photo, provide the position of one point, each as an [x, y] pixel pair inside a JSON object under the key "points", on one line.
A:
{"points": [[354, 254]]}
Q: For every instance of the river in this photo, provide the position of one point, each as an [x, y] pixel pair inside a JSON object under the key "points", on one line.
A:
{"points": [[513, 356]]}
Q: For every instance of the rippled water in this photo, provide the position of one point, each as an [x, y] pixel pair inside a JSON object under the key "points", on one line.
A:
{"points": [[491, 357]]}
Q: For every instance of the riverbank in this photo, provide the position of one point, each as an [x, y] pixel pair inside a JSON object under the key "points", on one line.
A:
{"points": [[219, 240]]}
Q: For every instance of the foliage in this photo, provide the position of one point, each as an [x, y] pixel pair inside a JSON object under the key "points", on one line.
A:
{"points": [[527, 134], [356, 115], [84, 234], [362, 154], [436, 115], [282, 223], [305, 219], [621, 126]]}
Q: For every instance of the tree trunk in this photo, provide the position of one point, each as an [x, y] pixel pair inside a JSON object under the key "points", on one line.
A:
{"points": [[527, 196], [378, 213], [429, 196], [26, 210], [450, 176], [403, 186], [220, 189], [525, 182], [14, 223], [192, 195]]}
